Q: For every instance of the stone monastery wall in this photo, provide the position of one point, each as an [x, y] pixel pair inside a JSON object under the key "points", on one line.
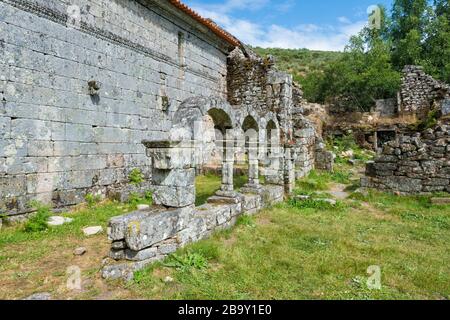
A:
{"points": [[80, 91]]}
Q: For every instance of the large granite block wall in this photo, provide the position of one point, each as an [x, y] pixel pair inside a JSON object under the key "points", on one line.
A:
{"points": [[58, 142]]}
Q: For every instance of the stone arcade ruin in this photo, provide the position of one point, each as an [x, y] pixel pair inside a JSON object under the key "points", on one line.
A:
{"points": [[95, 89], [266, 133]]}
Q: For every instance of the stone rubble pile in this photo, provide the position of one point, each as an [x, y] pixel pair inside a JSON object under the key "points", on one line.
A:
{"points": [[419, 90], [416, 163]]}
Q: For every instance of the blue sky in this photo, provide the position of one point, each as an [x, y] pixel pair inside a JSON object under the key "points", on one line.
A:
{"points": [[313, 24]]}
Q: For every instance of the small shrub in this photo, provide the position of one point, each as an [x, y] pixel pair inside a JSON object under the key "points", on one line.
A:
{"points": [[341, 177], [134, 199], [187, 261], [429, 122], [92, 199], [148, 196], [316, 181], [38, 222], [136, 176]]}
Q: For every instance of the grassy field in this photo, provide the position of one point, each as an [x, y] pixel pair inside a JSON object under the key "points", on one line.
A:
{"points": [[295, 250]]}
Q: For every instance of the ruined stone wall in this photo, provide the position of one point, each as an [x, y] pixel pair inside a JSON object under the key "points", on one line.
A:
{"points": [[57, 141], [143, 237], [414, 163], [419, 90], [305, 135], [254, 82]]}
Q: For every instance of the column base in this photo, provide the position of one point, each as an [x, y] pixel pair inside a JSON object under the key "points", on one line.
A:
{"points": [[227, 194], [252, 188]]}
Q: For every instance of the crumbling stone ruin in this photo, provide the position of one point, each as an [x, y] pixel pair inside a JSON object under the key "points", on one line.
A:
{"points": [[420, 91], [419, 95], [413, 163], [411, 159]]}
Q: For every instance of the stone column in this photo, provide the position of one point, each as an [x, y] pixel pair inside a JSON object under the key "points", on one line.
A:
{"points": [[289, 169], [253, 185], [275, 171], [227, 187], [173, 173]]}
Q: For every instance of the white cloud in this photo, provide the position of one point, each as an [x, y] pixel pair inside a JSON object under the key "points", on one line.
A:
{"points": [[344, 20], [310, 36]]}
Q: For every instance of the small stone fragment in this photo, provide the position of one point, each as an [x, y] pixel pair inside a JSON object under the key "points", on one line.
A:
{"points": [[168, 279], [330, 201], [143, 207], [90, 231], [79, 251], [39, 296], [302, 198]]}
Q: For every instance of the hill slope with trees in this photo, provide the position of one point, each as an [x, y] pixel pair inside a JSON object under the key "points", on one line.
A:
{"points": [[413, 32]]}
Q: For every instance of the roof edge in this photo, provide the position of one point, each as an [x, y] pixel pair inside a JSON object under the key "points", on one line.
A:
{"points": [[207, 23]]}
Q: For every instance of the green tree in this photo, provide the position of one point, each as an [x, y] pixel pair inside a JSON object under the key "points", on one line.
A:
{"points": [[437, 46], [410, 19], [361, 76]]}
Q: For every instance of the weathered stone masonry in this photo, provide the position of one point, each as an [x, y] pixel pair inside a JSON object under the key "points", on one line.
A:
{"points": [[59, 142], [414, 163], [92, 89], [419, 91]]}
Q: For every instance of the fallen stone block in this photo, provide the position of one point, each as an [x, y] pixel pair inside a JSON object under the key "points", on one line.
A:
{"points": [[58, 221], [79, 251], [90, 231], [155, 227], [141, 255], [143, 207]]}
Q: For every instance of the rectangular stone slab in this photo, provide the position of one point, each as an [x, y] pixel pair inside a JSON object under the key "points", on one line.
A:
{"points": [[151, 229]]}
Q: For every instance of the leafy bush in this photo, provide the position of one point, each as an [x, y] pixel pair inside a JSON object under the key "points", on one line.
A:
{"points": [[38, 222], [316, 181], [92, 199], [341, 177], [148, 196], [136, 176], [347, 142], [187, 261]]}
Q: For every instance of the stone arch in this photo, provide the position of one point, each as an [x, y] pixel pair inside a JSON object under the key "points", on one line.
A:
{"points": [[193, 109]]}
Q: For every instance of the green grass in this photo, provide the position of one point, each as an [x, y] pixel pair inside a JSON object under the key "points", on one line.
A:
{"points": [[207, 185], [98, 215], [290, 251], [321, 180], [319, 253]]}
